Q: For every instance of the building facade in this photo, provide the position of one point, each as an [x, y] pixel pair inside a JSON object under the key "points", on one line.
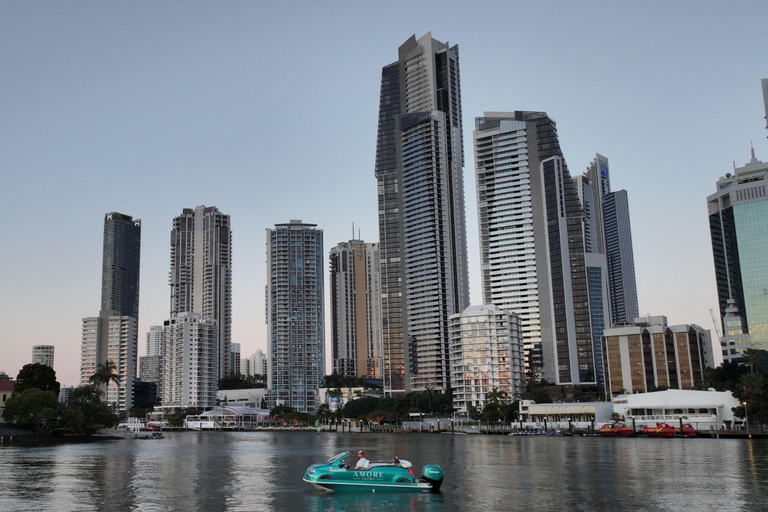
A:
{"points": [[257, 364], [486, 355], [356, 309], [738, 223], [650, 354], [201, 273], [113, 335], [295, 314], [43, 354], [422, 227], [152, 364], [540, 236], [234, 363], [190, 377]]}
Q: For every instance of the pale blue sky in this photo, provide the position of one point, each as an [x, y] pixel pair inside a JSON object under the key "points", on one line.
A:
{"points": [[268, 111]]}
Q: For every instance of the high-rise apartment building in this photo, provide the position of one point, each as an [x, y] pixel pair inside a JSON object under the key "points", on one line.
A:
{"points": [[113, 335], [201, 273], [539, 237], [43, 354], [191, 346], [486, 355], [295, 314], [356, 309], [650, 354], [151, 365], [257, 364], [422, 228]]}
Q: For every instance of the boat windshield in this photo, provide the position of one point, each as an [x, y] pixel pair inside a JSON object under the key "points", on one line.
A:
{"points": [[338, 457]]}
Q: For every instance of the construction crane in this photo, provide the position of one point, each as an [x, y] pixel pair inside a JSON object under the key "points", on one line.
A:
{"points": [[717, 325]]}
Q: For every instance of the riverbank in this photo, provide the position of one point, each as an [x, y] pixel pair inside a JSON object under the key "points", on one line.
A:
{"points": [[27, 438]]}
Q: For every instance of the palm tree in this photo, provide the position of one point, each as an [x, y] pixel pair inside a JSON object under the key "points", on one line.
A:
{"points": [[105, 374], [494, 395], [756, 358]]}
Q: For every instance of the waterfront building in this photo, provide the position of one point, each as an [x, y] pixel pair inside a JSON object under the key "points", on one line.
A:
{"points": [[234, 363], [564, 415], [257, 364], [356, 309], [422, 228], [43, 354], [705, 410], [486, 354], [190, 377], [295, 314], [538, 237], [201, 273], [650, 354], [64, 393], [145, 394], [738, 223], [6, 390], [113, 335]]}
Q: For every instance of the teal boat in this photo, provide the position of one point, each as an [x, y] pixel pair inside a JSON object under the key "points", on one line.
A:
{"points": [[333, 475]]}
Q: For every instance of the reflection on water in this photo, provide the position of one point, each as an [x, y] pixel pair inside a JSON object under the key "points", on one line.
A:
{"points": [[242, 471]]}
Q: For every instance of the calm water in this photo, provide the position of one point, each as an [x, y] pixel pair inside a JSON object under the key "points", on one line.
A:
{"points": [[242, 471]]}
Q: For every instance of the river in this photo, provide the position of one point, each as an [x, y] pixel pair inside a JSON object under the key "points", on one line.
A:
{"points": [[259, 471]]}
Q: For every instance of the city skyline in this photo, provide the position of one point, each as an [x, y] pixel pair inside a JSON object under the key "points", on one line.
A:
{"points": [[684, 131]]}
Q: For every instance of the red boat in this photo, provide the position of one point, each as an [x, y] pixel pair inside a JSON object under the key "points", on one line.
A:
{"points": [[686, 431], [616, 430], [660, 430]]}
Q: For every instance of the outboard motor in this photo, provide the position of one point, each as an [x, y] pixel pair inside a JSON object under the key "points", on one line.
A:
{"points": [[434, 475]]}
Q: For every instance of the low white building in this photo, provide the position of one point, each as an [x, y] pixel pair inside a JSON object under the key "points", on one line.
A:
{"points": [[705, 410], [565, 414], [253, 397]]}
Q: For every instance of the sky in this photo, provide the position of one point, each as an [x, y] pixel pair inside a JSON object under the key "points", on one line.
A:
{"points": [[269, 112]]}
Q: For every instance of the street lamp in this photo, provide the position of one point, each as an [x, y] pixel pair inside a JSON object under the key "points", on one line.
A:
{"points": [[746, 416]]}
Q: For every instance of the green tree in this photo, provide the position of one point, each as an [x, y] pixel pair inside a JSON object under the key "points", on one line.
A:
{"points": [[93, 413], [34, 409], [36, 375], [495, 396], [756, 359], [324, 412]]}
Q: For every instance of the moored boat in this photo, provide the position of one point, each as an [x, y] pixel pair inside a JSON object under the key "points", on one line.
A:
{"points": [[617, 429], [333, 475]]}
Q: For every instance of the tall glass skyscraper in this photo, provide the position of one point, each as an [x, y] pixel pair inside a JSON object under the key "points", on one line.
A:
{"points": [[738, 223], [113, 335], [422, 228], [295, 314]]}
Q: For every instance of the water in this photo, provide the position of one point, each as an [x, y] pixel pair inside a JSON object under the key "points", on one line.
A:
{"points": [[254, 471]]}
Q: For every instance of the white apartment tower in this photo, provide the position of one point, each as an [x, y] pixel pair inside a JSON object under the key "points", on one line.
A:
{"points": [[356, 309], [486, 354], [201, 273], [43, 354], [190, 378]]}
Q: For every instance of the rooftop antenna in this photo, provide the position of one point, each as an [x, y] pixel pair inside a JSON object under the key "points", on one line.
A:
{"points": [[752, 150], [353, 231]]}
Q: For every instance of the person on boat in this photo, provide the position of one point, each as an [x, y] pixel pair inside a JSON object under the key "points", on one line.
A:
{"points": [[395, 461], [362, 462]]}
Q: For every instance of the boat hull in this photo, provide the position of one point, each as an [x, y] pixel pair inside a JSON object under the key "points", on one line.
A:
{"points": [[331, 486]]}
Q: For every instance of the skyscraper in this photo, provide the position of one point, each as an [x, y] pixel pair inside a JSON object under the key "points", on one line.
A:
{"points": [[356, 309], [295, 314], [422, 228], [535, 241], [738, 223], [43, 354], [113, 335], [201, 273]]}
